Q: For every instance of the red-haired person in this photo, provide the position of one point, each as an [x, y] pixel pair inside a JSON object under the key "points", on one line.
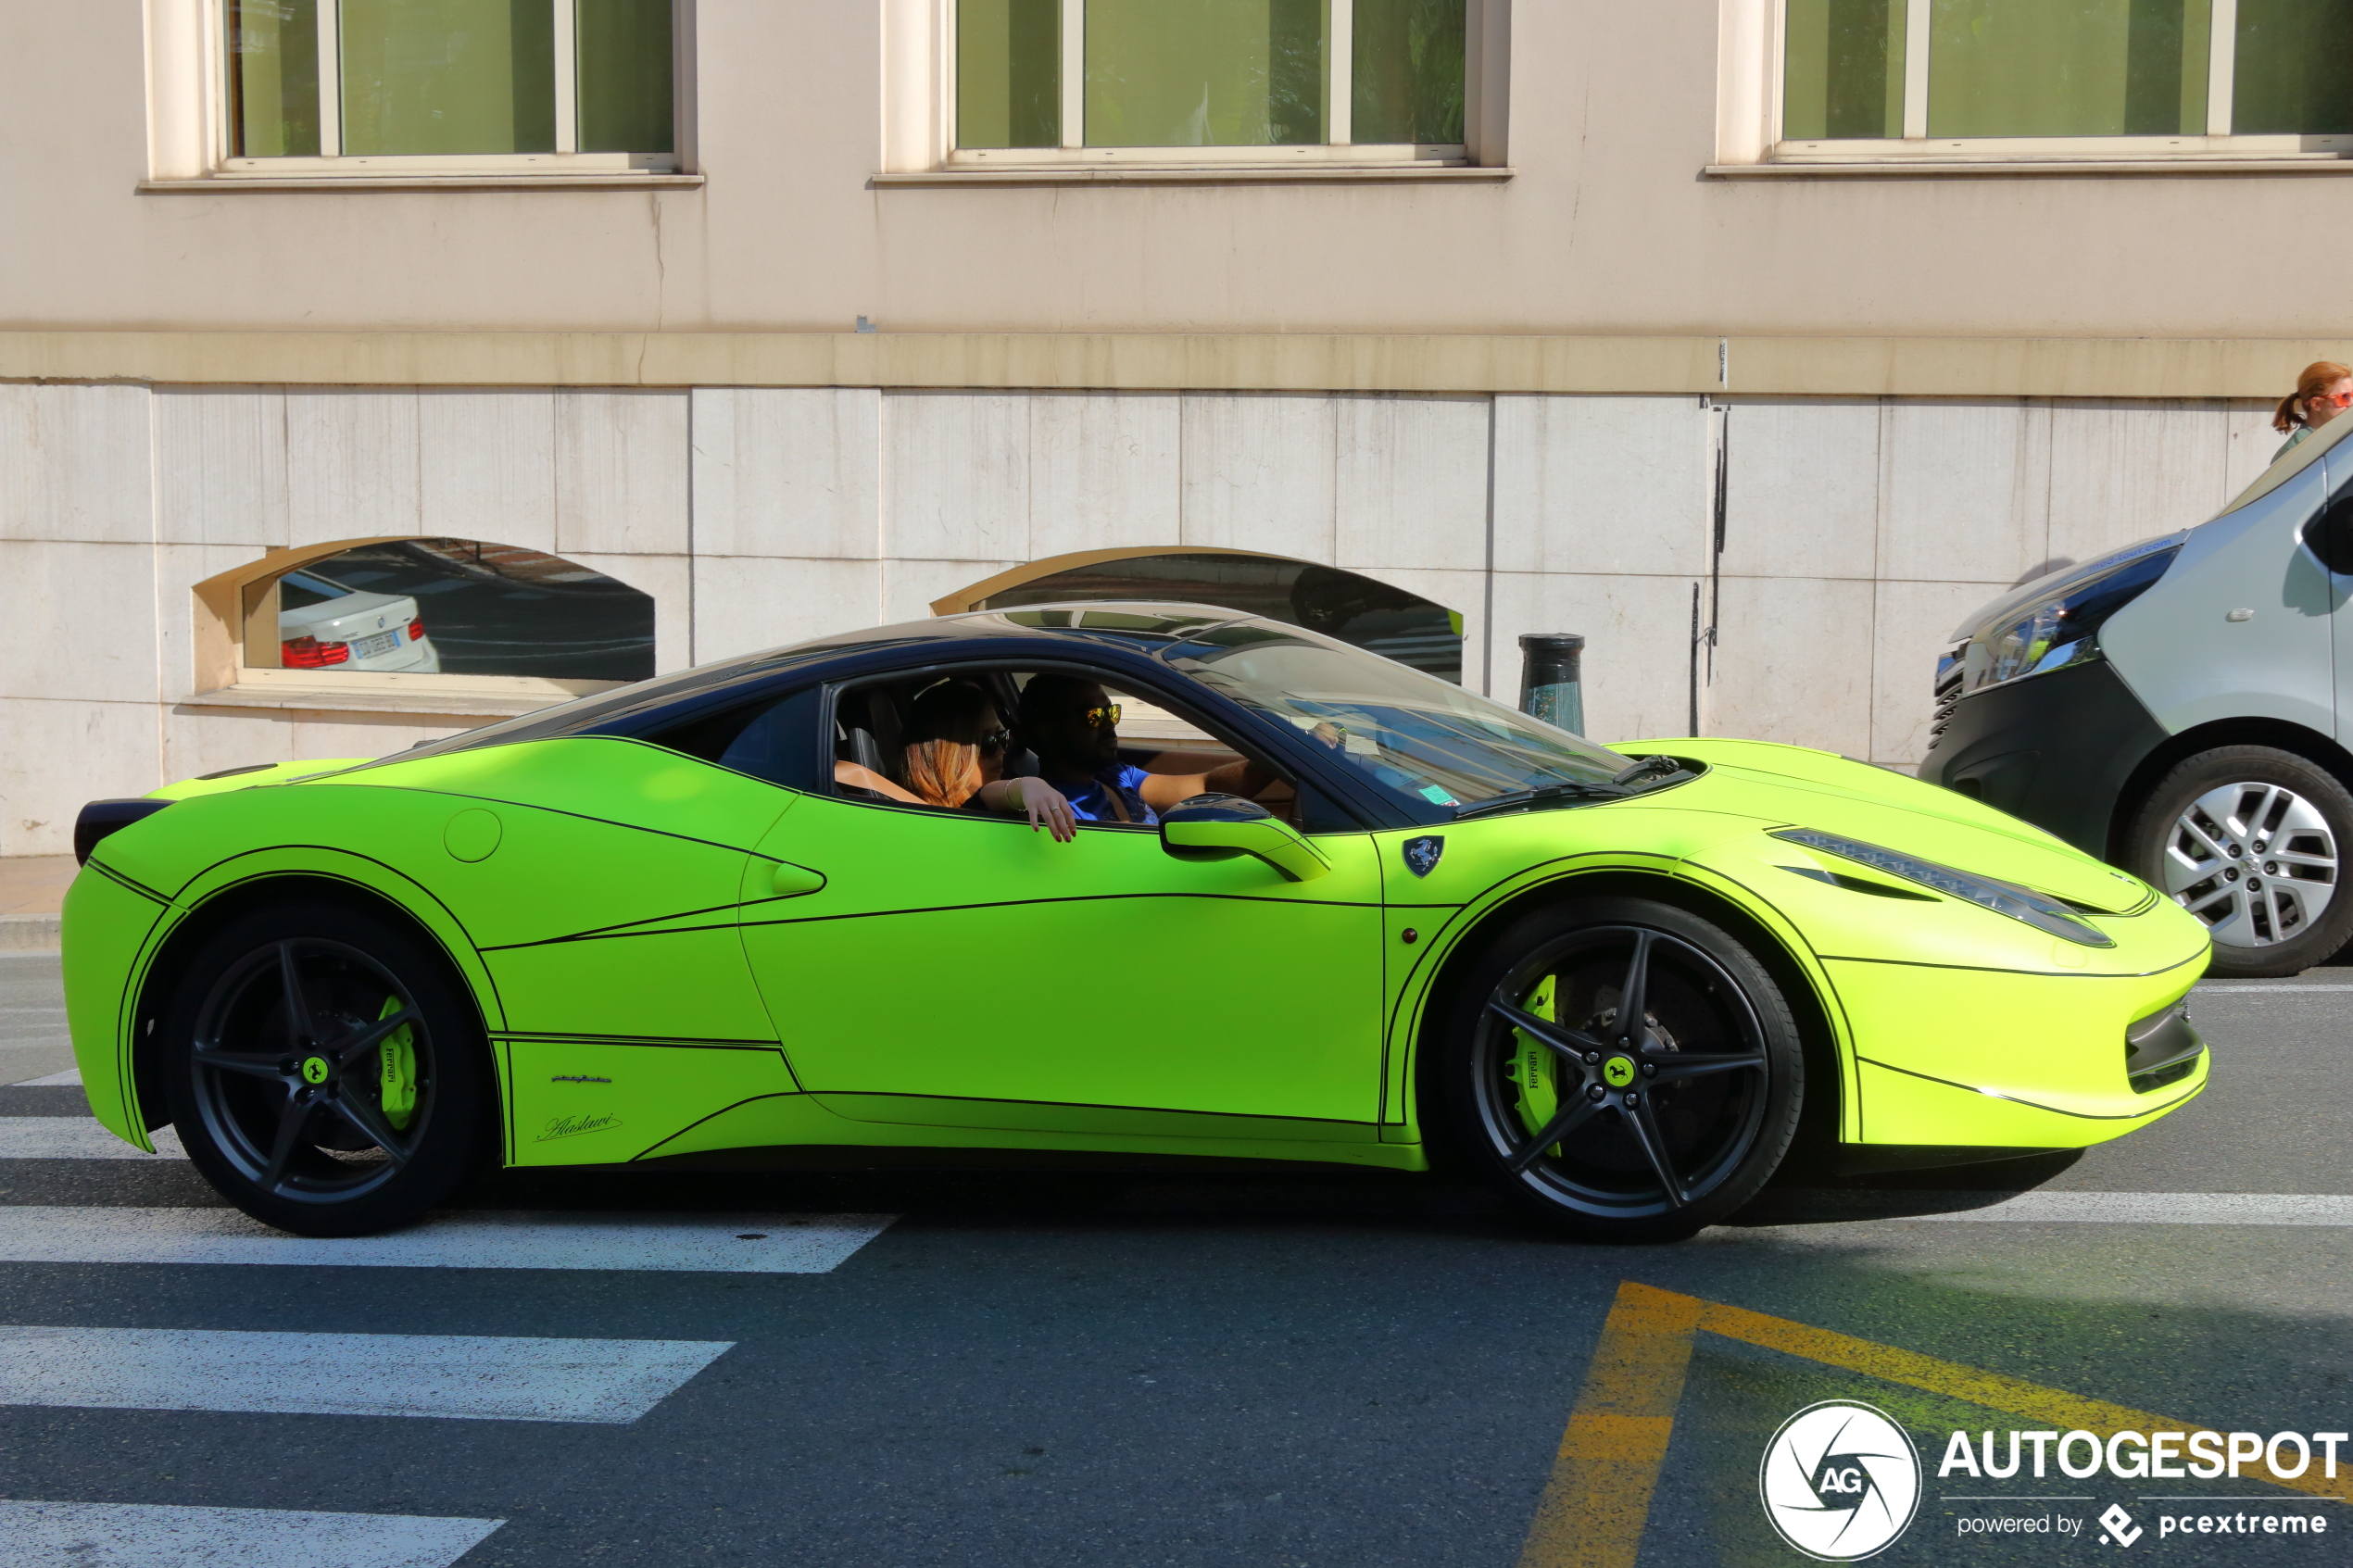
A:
{"points": [[955, 758], [2322, 392]]}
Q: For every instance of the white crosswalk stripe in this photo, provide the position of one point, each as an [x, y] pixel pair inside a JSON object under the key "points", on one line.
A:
{"points": [[2164, 1209], [1804, 1207], [123, 1534], [753, 1244], [273, 1372], [462, 1377], [77, 1137]]}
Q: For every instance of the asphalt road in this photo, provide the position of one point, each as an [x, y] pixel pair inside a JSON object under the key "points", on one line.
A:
{"points": [[1142, 1368]]}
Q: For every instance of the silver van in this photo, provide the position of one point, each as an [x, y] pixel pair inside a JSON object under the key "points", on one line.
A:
{"points": [[2183, 709]]}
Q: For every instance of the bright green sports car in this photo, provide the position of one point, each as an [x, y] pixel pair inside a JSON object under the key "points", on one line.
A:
{"points": [[714, 913]]}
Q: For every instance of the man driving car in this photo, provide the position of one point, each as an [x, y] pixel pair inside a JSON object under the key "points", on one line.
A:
{"points": [[1071, 723]]}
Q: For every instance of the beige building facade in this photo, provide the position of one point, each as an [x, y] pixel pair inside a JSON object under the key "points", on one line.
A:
{"points": [[819, 363]]}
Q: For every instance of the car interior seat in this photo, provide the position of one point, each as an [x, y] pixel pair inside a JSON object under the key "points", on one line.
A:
{"points": [[867, 732]]}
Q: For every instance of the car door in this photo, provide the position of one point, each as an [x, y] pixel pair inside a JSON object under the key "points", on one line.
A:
{"points": [[959, 969]]}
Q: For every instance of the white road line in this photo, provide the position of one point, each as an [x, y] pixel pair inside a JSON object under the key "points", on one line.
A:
{"points": [[2162, 1208], [2259, 988], [76, 1138], [458, 1377], [130, 1535], [743, 1244], [71, 1075]]}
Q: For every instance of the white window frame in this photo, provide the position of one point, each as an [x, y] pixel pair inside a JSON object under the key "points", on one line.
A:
{"points": [[1339, 83], [1755, 36], [333, 163]]}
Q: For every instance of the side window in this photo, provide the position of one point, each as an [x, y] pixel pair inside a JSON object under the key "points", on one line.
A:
{"points": [[935, 738], [1167, 745], [2330, 530], [942, 739], [772, 737]]}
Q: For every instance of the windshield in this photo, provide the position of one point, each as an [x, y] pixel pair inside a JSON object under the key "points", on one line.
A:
{"points": [[1426, 741]]}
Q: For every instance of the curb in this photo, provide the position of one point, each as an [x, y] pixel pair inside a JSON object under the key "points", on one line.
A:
{"points": [[30, 933]]}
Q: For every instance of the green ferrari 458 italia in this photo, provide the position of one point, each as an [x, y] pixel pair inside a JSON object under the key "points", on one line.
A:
{"points": [[1284, 899]]}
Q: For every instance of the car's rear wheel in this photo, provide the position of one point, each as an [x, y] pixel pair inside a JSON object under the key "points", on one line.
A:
{"points": [[1623, 1068], [325, 1070], [2251, 840]]}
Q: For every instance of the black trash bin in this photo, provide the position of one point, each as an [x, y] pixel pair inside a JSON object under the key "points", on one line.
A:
{"points": [[1551, 686]]}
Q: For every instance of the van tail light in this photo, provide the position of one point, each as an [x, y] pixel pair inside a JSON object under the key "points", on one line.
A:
{"points": [[309, 653], [417, 629]]}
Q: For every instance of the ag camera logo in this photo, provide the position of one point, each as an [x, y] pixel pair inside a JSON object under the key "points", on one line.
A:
{"points": [[1839, 1481]]}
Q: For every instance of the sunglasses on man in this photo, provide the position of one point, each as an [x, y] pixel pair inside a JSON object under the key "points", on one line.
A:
{"points": [[1103, 718]]}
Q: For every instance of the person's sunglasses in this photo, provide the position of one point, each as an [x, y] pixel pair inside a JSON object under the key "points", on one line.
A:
{"points": [[1105, 717], [996, 741], [2334, 399]]}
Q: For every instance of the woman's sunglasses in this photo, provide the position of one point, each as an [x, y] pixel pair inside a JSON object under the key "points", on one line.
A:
{"points": [[995, 742], [2334, 399]]}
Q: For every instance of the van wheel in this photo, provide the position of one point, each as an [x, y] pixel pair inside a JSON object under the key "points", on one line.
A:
{"points": [[2252, 841], [326, 1071], [1623, 1068]]}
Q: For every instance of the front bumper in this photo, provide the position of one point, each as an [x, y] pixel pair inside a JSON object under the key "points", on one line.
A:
{"points": [[1953, 1056], [2056, 749], [1966, 1029]]}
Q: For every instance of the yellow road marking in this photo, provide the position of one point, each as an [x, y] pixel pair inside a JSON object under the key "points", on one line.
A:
{"points": [[1598, 1500], [1599, 1495]]}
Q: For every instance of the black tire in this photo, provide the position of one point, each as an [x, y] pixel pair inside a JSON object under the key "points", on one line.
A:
{"points": [[1618, 1108], [339, 1125], [2252, 840]]}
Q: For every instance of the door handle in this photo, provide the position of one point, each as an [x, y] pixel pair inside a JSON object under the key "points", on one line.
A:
{"points": [[792, 882]]}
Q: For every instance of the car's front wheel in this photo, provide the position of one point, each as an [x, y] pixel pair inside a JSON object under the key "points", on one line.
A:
{"points": [[1624, 1068], [325, 1070], [2251, 840]]}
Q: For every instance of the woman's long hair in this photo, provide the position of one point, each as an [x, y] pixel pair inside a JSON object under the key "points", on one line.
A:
{"points": [[943, 743], [2320, 374]]}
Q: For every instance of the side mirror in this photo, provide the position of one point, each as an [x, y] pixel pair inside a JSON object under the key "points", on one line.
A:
{"points": [[1215, 826]]}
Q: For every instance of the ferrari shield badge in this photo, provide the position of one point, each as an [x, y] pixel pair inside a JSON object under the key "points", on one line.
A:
{"points": [[1421, 854]]}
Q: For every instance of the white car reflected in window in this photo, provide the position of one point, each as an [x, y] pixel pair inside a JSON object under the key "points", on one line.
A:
{"points": [[323, 624]]}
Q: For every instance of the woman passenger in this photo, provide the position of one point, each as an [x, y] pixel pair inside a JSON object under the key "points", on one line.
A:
{"points": [[954, 744], [955, 759]]}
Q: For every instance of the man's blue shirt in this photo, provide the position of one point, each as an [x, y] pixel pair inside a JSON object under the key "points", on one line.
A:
{"points": [[1093, 804]]}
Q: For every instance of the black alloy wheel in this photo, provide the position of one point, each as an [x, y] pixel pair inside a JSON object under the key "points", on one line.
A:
{"points": [[1624, 1068], [325, 1071], [2252, 841]]}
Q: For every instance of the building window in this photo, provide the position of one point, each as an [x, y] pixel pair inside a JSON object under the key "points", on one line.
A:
{"points": [[404, 86], [2100, 78], [1209, 80], [449, 607], [1371, 615]]}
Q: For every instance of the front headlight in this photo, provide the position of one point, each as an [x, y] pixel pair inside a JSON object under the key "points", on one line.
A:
{"points": [[2059, 626], [2039, 910]]}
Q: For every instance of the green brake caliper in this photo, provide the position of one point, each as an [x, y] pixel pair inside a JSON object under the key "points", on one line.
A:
{"points": [[1537, 1069], [396, 1069]]}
